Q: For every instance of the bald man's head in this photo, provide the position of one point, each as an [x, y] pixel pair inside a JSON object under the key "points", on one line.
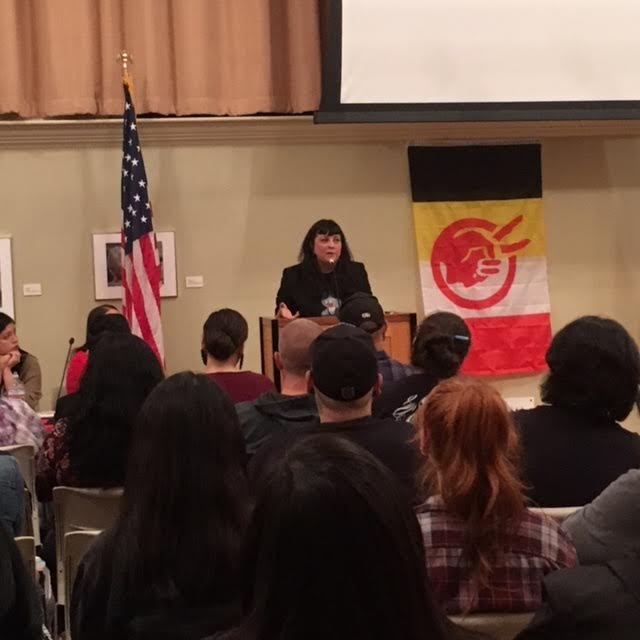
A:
{"points": [[294, 345]]}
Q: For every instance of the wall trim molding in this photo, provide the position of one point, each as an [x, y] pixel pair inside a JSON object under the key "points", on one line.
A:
{"points": [[72, 133]]}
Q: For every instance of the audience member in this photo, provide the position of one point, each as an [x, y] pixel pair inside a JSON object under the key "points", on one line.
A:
{"points": [[598, 602], [609, 527], [24, 365], [274, 413], [169, 567], [364, 311], [333, 552], [573, 448], [89, 448], [95, 327], [438, 351], [11, 494], [20, 612], [344, 379], [485, 551], [223, 337]]}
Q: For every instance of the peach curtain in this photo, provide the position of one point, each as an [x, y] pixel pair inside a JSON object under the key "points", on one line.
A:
{"points": [[222, 57]]}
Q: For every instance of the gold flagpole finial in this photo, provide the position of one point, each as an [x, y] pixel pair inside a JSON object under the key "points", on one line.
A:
{"points": [[125, 59]]}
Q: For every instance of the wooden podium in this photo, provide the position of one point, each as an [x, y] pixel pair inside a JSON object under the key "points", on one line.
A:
{"points": [[401, 328]]}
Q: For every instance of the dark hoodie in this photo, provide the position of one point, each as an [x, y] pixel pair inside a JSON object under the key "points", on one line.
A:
{"points": [[272, 414]]}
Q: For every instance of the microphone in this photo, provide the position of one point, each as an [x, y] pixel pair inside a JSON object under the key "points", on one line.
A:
{"points": [[332, 262], [64, 370]]}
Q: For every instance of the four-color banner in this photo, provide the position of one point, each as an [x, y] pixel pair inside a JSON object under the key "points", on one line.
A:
{"points": [[480, 236]]}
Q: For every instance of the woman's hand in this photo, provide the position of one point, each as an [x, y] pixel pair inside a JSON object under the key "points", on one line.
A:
{"points": [[285, 313]]}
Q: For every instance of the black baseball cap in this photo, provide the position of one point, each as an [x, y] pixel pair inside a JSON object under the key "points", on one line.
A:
{"points": [[362, 310], [343, 363]]}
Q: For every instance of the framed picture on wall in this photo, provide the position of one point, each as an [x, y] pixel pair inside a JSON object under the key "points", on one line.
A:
{"points": [[6, 278], [107, 265]]}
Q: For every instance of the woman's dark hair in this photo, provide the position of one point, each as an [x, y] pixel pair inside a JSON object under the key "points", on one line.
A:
{"points": [[94, 328], [224, 332], [20, 612], [593, 366], [121, 372], [334, 550], [323, 228], [441, 344], [5, 321], [185, 499]]}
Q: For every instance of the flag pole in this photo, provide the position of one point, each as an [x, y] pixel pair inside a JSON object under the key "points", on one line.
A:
{"points": [[125, 59]]}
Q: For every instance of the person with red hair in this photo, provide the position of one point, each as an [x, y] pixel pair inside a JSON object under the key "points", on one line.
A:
{"points": [[484, 550]]}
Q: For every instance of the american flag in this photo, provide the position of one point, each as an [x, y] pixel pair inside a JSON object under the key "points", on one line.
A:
{"points": [[141, 268]]}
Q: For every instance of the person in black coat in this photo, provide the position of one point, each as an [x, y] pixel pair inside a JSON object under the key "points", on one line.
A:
{"points": [[573, 446], [324, 276], [598, 602]]}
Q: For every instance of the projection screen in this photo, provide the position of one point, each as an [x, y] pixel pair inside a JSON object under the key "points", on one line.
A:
{"points": [[448, 60]]}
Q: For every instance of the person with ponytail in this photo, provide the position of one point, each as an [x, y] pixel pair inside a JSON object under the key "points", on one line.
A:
{"points": [[223, 337], [439, 349], [485, 551]]}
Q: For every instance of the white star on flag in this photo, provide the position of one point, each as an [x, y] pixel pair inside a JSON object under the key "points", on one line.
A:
{"points": [[136, 197], [143, 219], [134, 162], [141, 183], [127, 223], [132, 126]]}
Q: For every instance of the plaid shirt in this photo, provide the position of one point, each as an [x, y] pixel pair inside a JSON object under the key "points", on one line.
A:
{"points": [[390, 369], [538, 547]]}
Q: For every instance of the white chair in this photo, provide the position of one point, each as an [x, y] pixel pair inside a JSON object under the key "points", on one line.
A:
{"points": [[559, 514], [75, 545], [25, 454], [27, 548], [81, 510], [500, 626]]}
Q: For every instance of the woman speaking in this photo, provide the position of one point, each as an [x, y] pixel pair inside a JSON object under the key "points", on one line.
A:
{"points": [[324, 276]]}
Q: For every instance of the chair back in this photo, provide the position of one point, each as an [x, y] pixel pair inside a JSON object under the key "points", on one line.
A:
{"points": [[559, 514], [81, 510], [500, 626], [27, 548], [75, 545], [25, 455]]}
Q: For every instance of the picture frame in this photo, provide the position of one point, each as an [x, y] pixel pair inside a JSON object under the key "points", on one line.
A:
{"points": [[107, 258], [6, 278]]}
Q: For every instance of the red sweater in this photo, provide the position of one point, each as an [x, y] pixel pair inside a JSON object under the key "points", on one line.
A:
{"points": [[242, 386]]}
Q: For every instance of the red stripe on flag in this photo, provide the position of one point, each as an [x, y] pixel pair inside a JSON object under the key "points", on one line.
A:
{"points": [[508, 345], [138, 309], [151, 267]]}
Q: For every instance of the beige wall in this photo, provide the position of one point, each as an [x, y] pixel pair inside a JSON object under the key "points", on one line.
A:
{"points": [[240, 213]]}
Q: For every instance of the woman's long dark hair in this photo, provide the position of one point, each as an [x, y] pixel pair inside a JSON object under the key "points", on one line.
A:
{"points": [[94, 326], [121, 372], [20, 613], [185, 498], [334, 550]]}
